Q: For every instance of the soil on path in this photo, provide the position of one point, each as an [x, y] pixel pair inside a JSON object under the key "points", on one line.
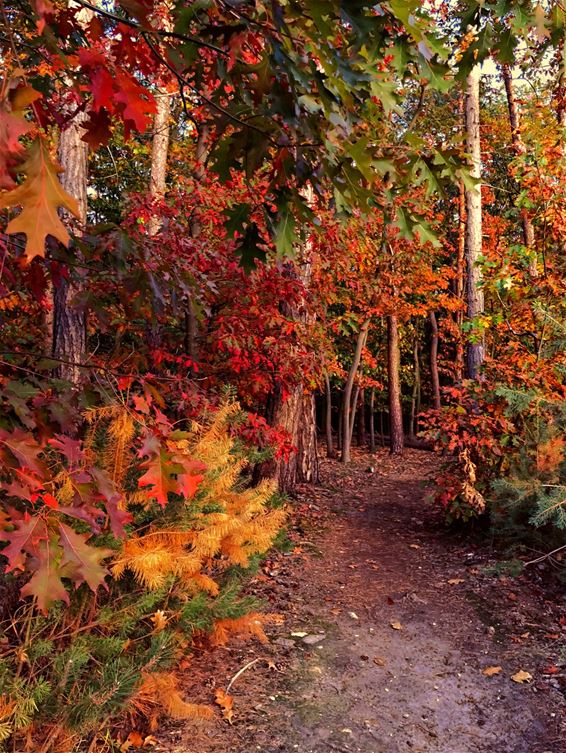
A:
{"points": [[389, 624]]}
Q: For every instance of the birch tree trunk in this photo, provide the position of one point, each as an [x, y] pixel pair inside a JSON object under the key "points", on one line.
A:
{"points": [[519, 148], [474, 293], [396, 433]]}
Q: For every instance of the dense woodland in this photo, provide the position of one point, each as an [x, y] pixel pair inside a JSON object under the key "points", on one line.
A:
{"points": [[238, 235]]}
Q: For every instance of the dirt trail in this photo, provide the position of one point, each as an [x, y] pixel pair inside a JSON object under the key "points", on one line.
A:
{"points": [[397, 664]]}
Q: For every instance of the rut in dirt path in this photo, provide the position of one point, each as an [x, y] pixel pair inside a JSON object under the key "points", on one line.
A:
{"points": [[389, 624]]}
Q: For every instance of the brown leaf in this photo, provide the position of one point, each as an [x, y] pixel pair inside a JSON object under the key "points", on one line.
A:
{"points": [[414, 546], [521, 676], [379, 661], [396, 625], [490, 671], [455, 581]]}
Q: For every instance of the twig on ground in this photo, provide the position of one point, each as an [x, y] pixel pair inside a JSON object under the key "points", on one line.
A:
{"points": [[241, 672]]}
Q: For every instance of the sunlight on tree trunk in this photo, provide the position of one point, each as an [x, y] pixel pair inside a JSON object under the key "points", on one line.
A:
{"points": [[474, 292]]}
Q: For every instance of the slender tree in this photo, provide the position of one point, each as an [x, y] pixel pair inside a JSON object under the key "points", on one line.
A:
{"points": [[434, 378], [347, 404], [474, 292], [396, 433]]}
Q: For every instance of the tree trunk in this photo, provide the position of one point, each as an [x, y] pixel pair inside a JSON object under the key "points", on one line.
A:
{"points": [[435, 381], [474, 293], [416, 391], [69, 323], [460, 276], [328, 418], [372, 447], [297, 415], [519, 148], [354, 411], [396, 433], [159, 153], [362, 428], [347, 418]]}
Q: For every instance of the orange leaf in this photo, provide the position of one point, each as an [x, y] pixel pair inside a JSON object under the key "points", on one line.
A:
{"points": [[490, 671], [40, 196], [226, 703]]}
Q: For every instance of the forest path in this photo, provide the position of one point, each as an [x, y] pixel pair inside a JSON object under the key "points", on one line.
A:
{"points": [[398, 621]]}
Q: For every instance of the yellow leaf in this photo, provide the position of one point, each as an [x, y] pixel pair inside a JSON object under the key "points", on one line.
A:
{"points": [[159, 620], [521, 676], [396, 625], [40, 196], [455, 581], [490, 671]]}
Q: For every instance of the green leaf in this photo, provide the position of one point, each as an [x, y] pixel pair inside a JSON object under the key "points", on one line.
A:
{"points": [[284, 233]]}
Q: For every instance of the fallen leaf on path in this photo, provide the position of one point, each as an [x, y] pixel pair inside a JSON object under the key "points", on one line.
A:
{"points": [[379, 661], [353, 615], [226, 703], [490, 671], [521, 676], [456, 581], [299, 634], [134, 740], [551, 670], [396, 625], [414, 546]]}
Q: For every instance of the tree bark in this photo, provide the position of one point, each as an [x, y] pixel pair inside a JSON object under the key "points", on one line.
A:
{"points": [[347, 418], [519, 148], [362, 427], [460, 278], [354, 411], [69, 322], [434, 378], [328, 418], [372, 447], [415, 402], [159, 153], [474, 293], [397, 435]]}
